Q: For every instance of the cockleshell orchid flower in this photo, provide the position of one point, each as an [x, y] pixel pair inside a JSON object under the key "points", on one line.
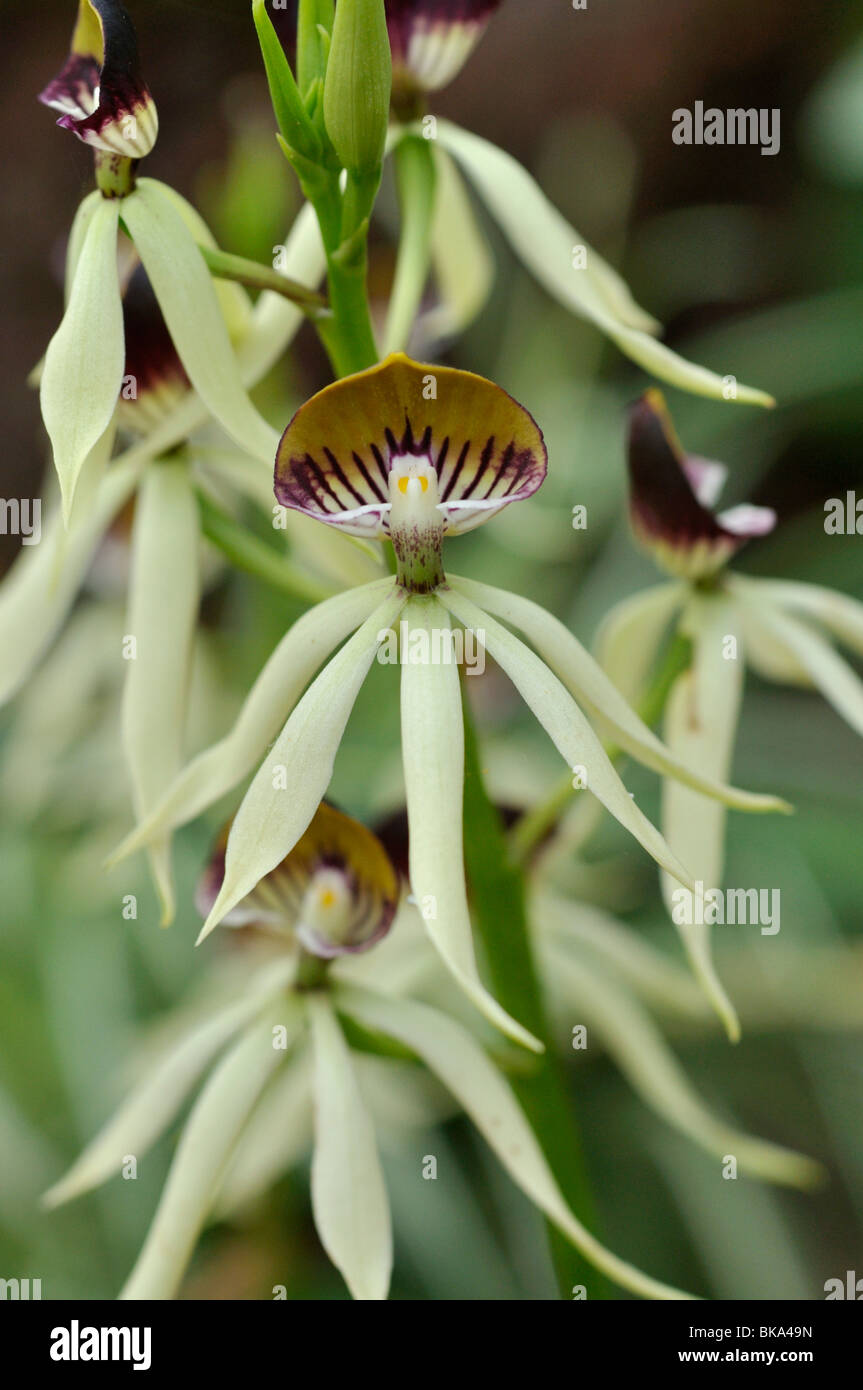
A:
{"points": [[412, 454], [100, 89], [83, 371], [431, 40], [281, 1078], [781, 630]]}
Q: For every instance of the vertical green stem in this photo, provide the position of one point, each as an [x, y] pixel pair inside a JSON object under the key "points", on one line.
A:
{"points": [[498, 900]]}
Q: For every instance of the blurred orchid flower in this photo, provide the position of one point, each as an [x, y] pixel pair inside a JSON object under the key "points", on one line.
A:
{"points": [[282, 1078], [83, 371], [782, 630], [414, 454], [431, 40]]}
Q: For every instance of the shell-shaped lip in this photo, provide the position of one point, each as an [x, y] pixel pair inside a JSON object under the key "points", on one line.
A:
{"points": [[672, 495], [431, 40], [333, 841], [153, 376], [335, 457], [100, 90]]}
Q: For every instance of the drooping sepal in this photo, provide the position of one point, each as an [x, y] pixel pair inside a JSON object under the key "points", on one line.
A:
{"points": [[672, 495], [100, 90]]}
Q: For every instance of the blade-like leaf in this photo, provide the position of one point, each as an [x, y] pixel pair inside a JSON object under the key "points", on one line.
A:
{"points": [[349, 1196], [433, 760]]}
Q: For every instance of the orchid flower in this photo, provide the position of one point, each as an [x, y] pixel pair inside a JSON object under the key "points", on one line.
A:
{"points": [[430, 41], [782, 630], [107, 105], [411, 454], [283, 1078]]}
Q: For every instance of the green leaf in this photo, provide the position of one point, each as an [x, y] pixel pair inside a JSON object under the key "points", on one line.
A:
{"points": [[296, 128]]}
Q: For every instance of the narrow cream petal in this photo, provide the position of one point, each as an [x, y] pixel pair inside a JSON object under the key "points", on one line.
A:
{"points": [[590, 686], [275, 320], [162, 616], [829, 672], [701, 718], [452, 1054], [191, 309], [565, 725], [279, 1134], [208, 1139], [349, 1195], [461, 258], [83, 369], [627, 1032], [154, 1103], [41, 587], [233, 299], [78, 235], [293, 778], [541, 235], [545, 242], [839, 613], [662, 983], [630, 635], [766, 655], [433, 760], [281, 683]]}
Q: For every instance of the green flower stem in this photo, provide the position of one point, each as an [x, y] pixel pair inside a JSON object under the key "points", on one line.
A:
{"points": [[498, 901], [535, 824], [247, 552], [416, 178], [311, 971], [262, 277]]}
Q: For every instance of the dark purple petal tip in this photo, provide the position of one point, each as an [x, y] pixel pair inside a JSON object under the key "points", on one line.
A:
{"points": [[100, 90]]}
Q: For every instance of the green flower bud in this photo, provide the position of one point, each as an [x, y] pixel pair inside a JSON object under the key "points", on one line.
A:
{"points": [[357, 86]]}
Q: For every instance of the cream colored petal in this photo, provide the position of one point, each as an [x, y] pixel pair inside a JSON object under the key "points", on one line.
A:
{"points": [[839, 613], [154, 1102], [627, 1032], [565, 725], [193, 314], [452, 1054], [278, 1135], [590, 686], [281, 683], [42, 585], [83, 369], [293, 778], [630, 635], [349, 1196], [545, 242], [461, 258], [164, 592], [701, 717], [213, 1128], [828, 671], [433, 760]]}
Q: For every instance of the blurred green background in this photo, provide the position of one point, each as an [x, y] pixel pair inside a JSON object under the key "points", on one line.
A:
{"points": [[755, 266]]}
